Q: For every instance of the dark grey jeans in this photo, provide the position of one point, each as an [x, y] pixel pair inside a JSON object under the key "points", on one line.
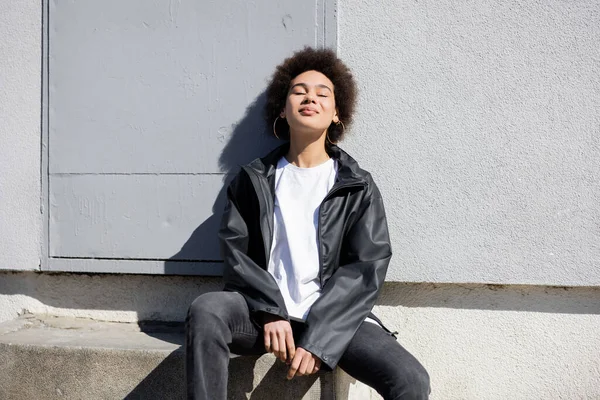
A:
{"points": [[218, 323]]}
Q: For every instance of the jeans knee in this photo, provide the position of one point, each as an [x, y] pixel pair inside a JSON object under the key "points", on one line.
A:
{"points": [[421, 384], [415, 385], [205, 310]]}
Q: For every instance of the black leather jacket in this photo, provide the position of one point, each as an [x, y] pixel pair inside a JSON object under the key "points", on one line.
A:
{"points": [[354, 251]]}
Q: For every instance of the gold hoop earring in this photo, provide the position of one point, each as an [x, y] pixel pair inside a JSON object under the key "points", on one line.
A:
{"points": [[336, 124], [274, 130]]}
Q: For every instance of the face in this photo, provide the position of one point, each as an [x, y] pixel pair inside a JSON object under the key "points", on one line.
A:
{"points": [[310, 104]]}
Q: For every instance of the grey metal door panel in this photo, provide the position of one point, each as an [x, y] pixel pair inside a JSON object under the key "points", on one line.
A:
{"points": [[136, 216], [150, 105], [140, 86]]}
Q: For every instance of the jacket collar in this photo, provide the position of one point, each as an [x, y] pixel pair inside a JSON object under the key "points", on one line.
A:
{"points": [[348, 169]]}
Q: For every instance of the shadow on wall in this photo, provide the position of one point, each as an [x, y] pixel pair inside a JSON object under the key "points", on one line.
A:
{"points": [[147, 297], [249, 139], [166, 298], [544, 299]]}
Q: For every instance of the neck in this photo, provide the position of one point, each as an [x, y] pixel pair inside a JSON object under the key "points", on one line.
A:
{"points": [[307, 153]]}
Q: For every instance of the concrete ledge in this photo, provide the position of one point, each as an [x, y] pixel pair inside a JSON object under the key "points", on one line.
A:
{"points": [[45, 357]]}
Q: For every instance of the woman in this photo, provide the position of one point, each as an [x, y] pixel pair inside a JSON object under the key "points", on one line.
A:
{"points": [[306, 248]]}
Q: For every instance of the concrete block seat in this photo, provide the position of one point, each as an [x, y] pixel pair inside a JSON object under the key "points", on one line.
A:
{"points": [[47, 357]]}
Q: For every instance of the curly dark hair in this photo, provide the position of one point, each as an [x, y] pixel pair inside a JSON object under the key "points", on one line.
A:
{"points": [[326, 62]]}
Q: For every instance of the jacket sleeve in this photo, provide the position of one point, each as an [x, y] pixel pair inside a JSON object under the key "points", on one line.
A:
{"points": [[241, 274], [349, 295]]}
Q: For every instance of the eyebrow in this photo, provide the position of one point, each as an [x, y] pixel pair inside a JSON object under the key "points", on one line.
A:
{"points": [[305, 86]]}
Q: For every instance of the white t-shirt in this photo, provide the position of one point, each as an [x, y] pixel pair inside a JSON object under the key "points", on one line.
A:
{"points": [[294, 261]]}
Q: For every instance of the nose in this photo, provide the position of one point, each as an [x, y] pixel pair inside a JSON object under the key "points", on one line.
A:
{"points": [[309, 98]]}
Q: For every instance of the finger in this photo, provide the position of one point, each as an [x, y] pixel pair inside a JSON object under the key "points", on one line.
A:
{"points": [[267, 338], [274, 343], [304, 364], [317, 366], [282, 354], [311, 366], [291, 347], [294, 367]]}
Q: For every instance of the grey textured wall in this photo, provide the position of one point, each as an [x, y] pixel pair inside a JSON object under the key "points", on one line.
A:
{"points": [[20, 97], [481, 123]]}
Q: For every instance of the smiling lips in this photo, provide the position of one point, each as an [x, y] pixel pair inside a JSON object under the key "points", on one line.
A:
{"points": [[308, 111]]}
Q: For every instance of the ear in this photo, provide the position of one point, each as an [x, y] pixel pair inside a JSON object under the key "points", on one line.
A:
{"points": [[282, 114], [336, 119]]}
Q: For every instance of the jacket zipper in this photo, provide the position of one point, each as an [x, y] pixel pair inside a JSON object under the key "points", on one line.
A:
{"points": [[256, 180], [333, 190]]}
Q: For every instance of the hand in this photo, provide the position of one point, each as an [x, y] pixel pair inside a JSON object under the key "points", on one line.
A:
{"points": [[303, 363], [278, 337]]}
